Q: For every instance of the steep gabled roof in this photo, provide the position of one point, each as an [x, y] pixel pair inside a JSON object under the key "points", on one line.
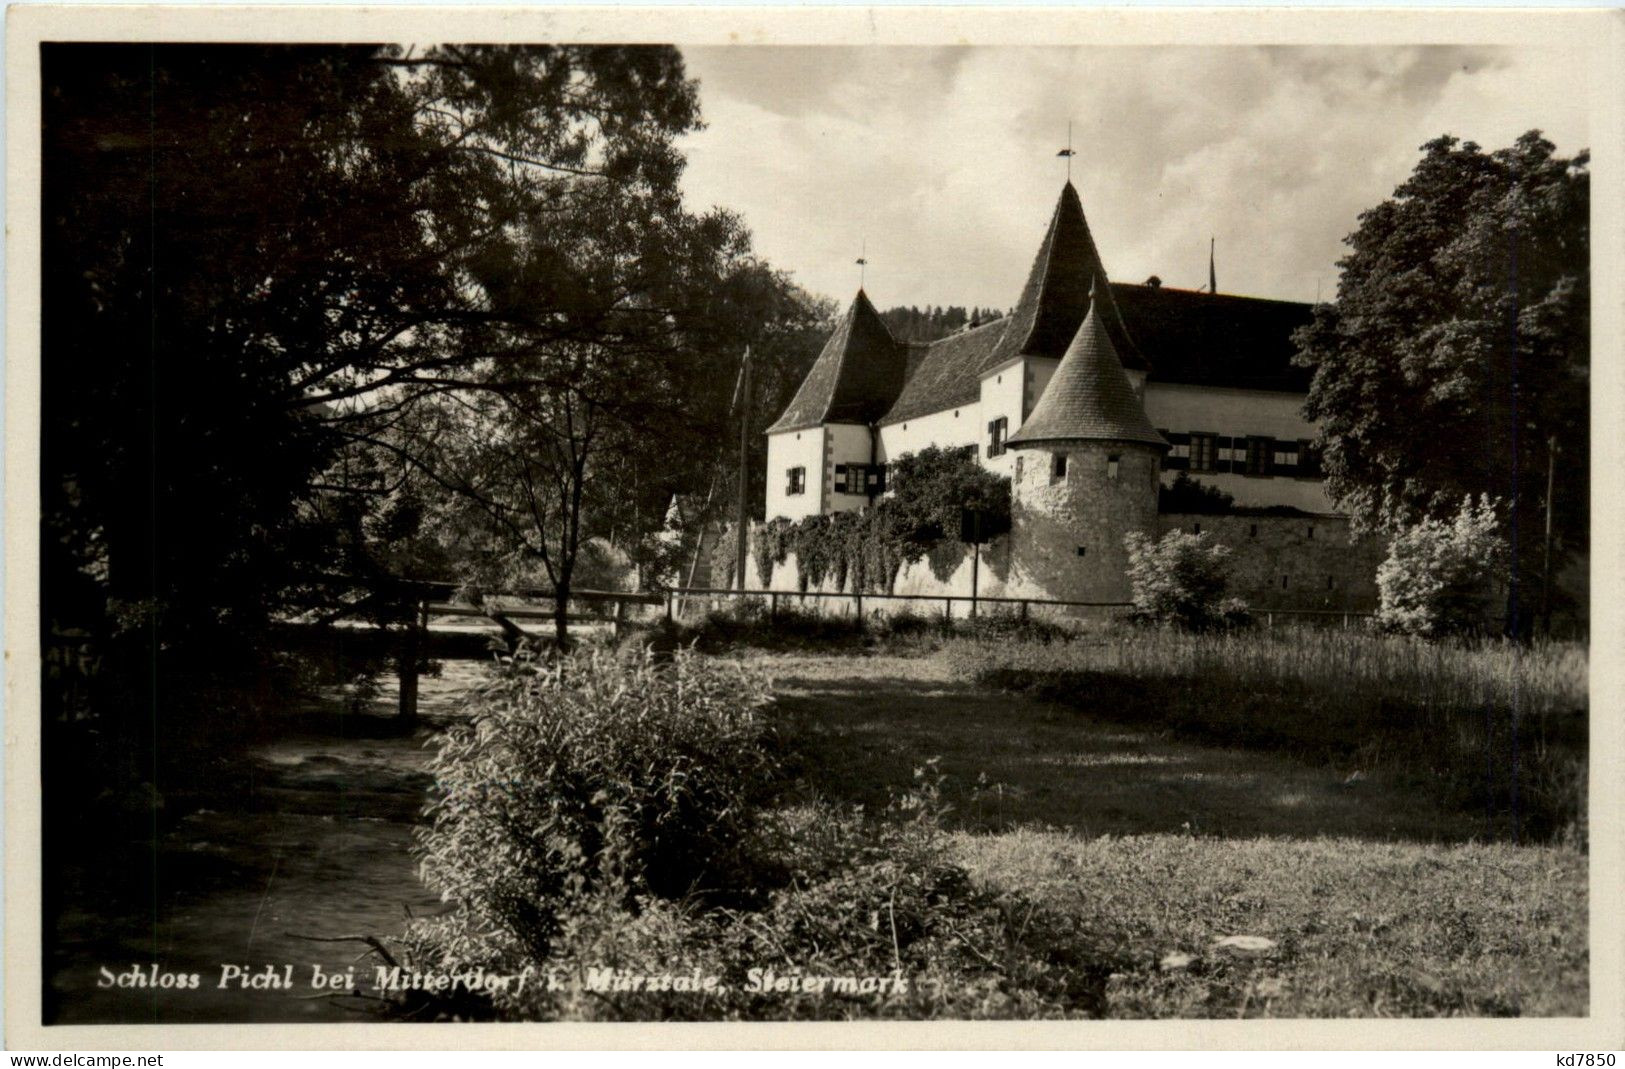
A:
{"points": [[856, 377], [1057, 295], [948, 374], [1208, 340], [1089, 397]]}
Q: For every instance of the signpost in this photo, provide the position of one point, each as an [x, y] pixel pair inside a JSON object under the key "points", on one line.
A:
{"points": [[973, 527]]}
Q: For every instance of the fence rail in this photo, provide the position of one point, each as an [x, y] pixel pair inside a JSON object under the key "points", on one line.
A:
{"points": [[774, 597]]}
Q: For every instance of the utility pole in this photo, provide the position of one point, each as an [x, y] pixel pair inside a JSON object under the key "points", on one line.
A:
{"points": [[1546, 570], [742, 518]]}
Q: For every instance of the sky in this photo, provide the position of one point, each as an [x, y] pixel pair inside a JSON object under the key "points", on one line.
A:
{"points": [[939, 164]]}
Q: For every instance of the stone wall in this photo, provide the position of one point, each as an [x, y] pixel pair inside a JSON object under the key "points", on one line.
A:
{"points": [[1067, 533], [1324, 569], [1292, 562]]}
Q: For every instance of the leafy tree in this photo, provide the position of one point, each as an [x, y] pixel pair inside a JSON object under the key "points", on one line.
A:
{"points": [[929, 488], [1439, 574], [1455, 360], [1181, 581]]}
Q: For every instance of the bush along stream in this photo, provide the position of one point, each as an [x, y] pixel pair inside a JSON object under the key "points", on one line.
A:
{"points": [[623, 844]]}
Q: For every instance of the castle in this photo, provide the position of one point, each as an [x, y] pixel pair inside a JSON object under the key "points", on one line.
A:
{"points": [[1090, 396]]}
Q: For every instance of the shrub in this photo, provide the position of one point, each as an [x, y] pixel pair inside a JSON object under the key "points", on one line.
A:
{"points": [[1189, 495], [844, 894], [1438, 576], [1180, 581], [592, 776]]}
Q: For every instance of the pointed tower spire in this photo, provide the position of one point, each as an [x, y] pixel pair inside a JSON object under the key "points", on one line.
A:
{"points": [[1089, 398], [856, 377], [1056, 298], [1212, 277]]}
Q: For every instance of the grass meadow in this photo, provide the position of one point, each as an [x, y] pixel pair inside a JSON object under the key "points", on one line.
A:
{"points": [[1496, 729], [1346, 796]]}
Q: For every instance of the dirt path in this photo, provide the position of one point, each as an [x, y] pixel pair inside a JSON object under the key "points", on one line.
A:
{"points": [[864, 724]]}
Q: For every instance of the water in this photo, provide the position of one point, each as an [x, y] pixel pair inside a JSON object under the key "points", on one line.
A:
{"points": [[320, 847]]}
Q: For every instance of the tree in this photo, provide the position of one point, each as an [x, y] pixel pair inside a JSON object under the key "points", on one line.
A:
{"points": [[1438, 576], [931, 487], [260, 261], [1181, 581], [257, 255], [1455, 361]]}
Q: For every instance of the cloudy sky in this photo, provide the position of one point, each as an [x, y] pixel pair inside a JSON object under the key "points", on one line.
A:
{"points": [[943, 159]]}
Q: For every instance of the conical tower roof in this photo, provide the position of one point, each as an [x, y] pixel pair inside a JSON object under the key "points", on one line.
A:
{"points": [[856, 377], [1089, 397], [1058, 292]]}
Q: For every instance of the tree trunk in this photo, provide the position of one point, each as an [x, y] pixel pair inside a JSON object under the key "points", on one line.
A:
{"points": [[561, 612]]}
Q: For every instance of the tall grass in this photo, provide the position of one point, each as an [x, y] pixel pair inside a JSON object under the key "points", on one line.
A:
{"points": [[1494, 725]]}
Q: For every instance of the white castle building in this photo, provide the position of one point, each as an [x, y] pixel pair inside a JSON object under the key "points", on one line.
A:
{"points": [[1088, 396]]}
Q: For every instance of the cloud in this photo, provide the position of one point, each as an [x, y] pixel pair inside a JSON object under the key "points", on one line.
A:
{"points": [[943, 159]]}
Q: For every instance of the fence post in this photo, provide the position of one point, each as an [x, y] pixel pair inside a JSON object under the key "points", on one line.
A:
{"points": [[620, 617], [772, 607], [857, 604], [671, 600], [1024, 612], [407, 666], [948, 609]]}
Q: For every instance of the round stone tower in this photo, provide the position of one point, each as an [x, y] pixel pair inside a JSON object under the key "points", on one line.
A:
{"points": [[1086, 475]]}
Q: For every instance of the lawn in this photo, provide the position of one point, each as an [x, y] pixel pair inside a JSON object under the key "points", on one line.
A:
{"points": [[1379, 901]]}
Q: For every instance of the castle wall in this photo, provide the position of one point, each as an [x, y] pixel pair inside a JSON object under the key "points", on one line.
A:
{"points": [[1239, 413], [1067, 533], [792, 449], [947, 429], [1003, 395], [845, 443], [1263, 550], [1292, 562]]}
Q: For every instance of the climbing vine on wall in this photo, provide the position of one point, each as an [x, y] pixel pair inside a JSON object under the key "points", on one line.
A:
{"points": [[770, 546], [864, 551]]}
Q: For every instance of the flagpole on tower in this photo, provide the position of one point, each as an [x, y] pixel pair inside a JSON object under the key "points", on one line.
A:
{"points": [[1067, 152], [863, 264]]}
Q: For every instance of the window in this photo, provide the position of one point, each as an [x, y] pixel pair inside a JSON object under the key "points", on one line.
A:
{"points": [[797, 482], [1308, 458], [1204, 452], [874, 479], [996, 433], [1252, 530], [1331, 582], [1283, 582], [1111, 466], [1179, 450], [1260, 453], [1196, 528], [1311, 534], [1057, 467], [1286, 456], [1083, 551]]}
